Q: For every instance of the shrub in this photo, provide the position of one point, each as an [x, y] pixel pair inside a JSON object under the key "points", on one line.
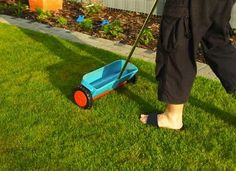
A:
{"points": [[146, 37], [114, 29], [14, 8], [19, 8], [42, 15], [93, 8], [39, 11], [62, 21], [3, 7], [87, 24]]}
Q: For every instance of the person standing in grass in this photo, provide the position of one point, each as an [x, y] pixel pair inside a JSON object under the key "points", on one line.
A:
{"points": [[186, 24]]}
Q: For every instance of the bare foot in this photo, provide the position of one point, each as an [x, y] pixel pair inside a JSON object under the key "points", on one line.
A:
{"points": [[165, 121]]}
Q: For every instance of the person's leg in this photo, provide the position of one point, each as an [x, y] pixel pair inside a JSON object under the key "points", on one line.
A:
{"points": [[175, 62], [176, 67], [220, 54]]}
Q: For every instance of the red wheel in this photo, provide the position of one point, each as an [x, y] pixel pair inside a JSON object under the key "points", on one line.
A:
{"points": [[83, 97]]}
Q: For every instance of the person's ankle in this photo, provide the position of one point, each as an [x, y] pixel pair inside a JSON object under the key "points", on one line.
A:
{"points": [[174, 117], [173, 121]]}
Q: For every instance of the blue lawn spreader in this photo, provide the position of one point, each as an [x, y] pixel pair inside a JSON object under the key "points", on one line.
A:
{"points": [[102, 81], [105, 79]]}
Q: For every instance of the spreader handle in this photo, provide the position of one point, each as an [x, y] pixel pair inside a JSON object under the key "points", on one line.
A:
{"points": [[137, 39]]}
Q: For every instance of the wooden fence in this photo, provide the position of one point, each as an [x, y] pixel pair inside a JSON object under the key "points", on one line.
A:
{"points": [[233, 16], [145, 6]]}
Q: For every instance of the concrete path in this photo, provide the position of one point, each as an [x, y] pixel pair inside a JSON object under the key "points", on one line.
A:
{"points": [[113, 46]]}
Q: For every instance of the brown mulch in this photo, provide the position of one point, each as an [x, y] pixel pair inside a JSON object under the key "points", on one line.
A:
{"points": [[131, 23]]}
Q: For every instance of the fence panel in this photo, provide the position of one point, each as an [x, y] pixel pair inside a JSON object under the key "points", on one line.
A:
{"points": [[145, 6], [233, 17]]}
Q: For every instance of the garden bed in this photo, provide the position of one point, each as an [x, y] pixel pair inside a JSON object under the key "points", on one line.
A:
{"points": [[125, 31]]}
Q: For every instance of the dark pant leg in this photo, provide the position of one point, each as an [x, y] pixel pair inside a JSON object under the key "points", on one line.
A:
{"points": [[220, 54], [176, 68]]}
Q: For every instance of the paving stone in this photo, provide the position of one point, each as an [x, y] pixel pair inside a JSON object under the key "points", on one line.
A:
{"points": [[200, 65]]}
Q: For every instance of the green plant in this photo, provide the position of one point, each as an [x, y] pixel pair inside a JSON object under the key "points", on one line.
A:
{"points": [[39, 11], [16, 8], [20, 7], [3, 7], [87, 24], [146, 36], [42, 15], [62, 21], [93, 8], [114, 29]]}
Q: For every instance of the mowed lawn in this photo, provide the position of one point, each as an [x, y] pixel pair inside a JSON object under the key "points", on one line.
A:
{"points": [[42, 129]]}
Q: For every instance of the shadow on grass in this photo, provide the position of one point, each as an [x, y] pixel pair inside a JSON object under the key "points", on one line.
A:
{"points": [[218, 113], [144, 106], [67, 74]]}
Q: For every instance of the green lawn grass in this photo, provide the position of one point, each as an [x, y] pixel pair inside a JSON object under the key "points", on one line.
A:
{"points": [[42, 129]]}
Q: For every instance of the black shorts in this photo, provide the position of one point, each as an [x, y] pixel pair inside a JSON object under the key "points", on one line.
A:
{"points": [[185, 24]]}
